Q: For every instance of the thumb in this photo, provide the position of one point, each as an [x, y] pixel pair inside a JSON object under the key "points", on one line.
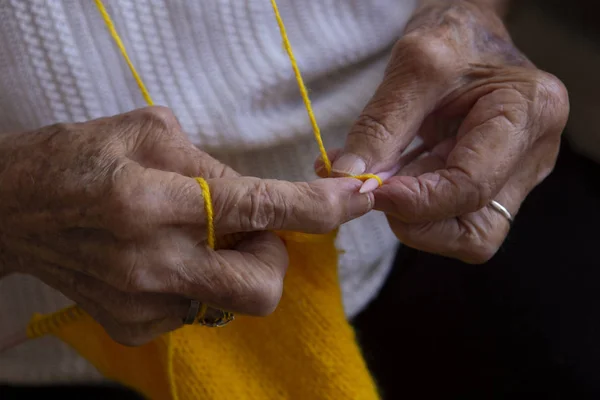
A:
{"points": [[252, 204], [388, 123]]}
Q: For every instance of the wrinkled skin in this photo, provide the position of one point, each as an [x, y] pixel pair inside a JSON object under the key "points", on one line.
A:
{"points": [[490, 123], [107, 213]]}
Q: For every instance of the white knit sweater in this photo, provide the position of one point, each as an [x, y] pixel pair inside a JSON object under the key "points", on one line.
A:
{"points": [[220, 66]]}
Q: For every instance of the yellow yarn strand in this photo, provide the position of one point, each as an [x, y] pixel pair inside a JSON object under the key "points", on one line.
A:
{"points": [[115, 35], [365, 177], [203, 184], [146, 95], [208, 209], [45, 324], [303, 92]]}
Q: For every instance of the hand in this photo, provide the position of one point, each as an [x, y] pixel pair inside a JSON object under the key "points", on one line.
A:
{"points": [[489, 121], [91, 210]]}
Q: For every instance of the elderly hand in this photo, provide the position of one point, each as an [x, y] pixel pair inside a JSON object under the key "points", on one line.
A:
{"points": [[90, 210], [490, 123]]}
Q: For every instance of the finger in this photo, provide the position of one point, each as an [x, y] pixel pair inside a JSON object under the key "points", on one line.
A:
{"points": [[410, 90], [239, 204], [473, 238], [125, 308], [173, 269], [426, 162], [247, 279], [138, 334], [491, 142], [128, 323], [250, 204], [476, 237], [416, 148]]}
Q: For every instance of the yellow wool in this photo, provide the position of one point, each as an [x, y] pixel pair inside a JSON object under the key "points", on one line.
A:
{"points": [[305, 350]]}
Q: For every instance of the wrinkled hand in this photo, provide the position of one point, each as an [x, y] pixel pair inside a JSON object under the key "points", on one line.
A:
{"points": [[91, 210], [489, 121]]}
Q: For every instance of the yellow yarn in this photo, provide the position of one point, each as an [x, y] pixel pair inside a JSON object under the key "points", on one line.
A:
{"points": [[115, 35], [305, 350], [311, 115], [208, 209], [304, 93]]}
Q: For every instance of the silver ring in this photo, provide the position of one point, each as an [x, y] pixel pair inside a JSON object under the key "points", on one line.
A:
{"points": [[192, 312], [502, 210]]}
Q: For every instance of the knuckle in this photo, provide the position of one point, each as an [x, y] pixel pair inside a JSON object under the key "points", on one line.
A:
{"points": [[160, 117], [552, 96], [128, 339], [427, 57], [266, 210], [479, 245], [123, 330], [479, 253], [516, 113], [328, 211], [266, 296]]}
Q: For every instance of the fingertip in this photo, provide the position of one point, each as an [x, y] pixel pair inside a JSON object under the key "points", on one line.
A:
{"points": [[369, 186]]}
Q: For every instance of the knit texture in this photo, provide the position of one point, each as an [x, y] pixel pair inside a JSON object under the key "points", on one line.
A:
{"points": [[305, 350], [220, 66]]}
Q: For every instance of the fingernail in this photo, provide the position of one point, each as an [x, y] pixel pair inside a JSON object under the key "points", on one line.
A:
{"points": [[360, 204], [349, 164], [369, 186]]}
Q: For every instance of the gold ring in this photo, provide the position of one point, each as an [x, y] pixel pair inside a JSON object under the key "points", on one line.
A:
{"points": [[213, 317]]}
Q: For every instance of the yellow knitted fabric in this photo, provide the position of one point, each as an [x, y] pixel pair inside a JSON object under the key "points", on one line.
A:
{"points": [[305, 350]]}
